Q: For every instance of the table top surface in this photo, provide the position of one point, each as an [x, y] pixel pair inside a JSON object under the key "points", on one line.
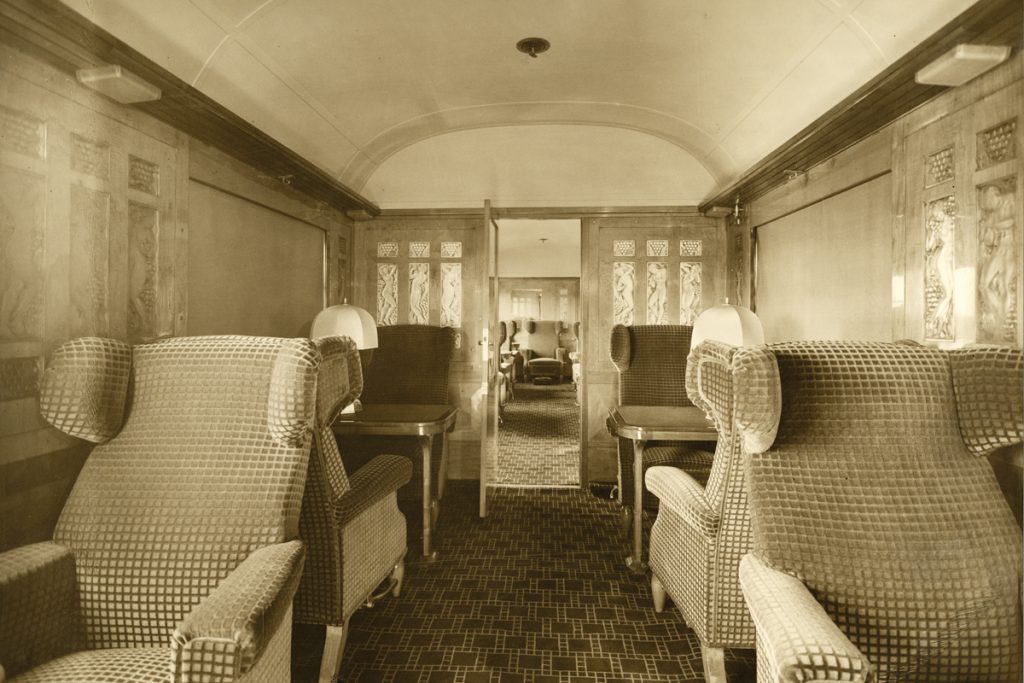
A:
{"points": [[414, 419], [682, 423]]}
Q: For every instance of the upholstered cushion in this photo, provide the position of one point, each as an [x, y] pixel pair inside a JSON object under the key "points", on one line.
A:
{"points": [[987, 382], [84, 387]]}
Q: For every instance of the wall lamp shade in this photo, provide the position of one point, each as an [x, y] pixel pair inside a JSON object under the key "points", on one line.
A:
{"points": [[961, 64], [118, 84], [348, 321], [735, 325]]}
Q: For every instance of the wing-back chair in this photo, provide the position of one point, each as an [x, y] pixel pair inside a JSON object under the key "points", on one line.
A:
{"points": [[651, 360], [410, 366], [175, 556], [883, 547], [355, 534], [545, 355], [702, 531]]}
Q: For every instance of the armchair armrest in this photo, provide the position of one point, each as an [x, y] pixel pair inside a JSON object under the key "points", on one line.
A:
{"points": [[683, 495], [795, 632], [374, 480], [224, 635], [39, 617]]}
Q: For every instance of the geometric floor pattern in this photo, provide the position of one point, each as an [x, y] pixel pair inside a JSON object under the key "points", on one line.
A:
{"points": [[539, 437], [538, 592]]}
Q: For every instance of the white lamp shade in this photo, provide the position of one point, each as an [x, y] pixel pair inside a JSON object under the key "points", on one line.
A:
{"points": [[735, 325], [346, 320]]}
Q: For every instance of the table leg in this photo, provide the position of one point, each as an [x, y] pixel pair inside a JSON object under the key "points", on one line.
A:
{"points": [[428, 499], [635, 561]]}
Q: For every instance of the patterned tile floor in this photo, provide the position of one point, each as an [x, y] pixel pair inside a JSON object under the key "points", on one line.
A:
{"points": [[537, 592], [538, 441]]}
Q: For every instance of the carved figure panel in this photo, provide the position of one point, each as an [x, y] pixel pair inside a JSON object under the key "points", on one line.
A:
{"points": [[999, 259], [419, 293], [940, 262], [90, 269], [624, 247], [623, 284], [143, 235], [657, 293], [419, 249], [451, 295], [23, 133], [997, 144], [22, 216], [451, 249], [387, 249], [690, 289], [387, 293]]}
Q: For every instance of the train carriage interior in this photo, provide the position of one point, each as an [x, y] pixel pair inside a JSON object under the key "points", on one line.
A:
{"points": [[449, 341]]}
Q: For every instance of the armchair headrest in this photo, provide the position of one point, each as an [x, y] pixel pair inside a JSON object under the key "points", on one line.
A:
{"points": [[502, 332], [340, 380], [755, 398], [619, 347], [84, 388], [293, 390], [989, 403]]}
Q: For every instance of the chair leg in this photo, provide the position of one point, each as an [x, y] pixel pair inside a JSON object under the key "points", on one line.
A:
{"points": [[334, 646], [714, 664], [658, 593], [398, 574], [442, 477], [625, 520]]}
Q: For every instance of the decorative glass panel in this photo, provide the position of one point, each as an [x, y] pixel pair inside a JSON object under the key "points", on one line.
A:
{"points": [[997, 144], [657, 293], [657, 247], [451, 249], [624, 247], [387, 249], [939, 167], [623, 282], [451, 295], [691, 247], [419, 249], [143, 175], [22, 133], [387, 293], [419, 293], [940, 262], [90, 157], [999, 261], [690, 288]]}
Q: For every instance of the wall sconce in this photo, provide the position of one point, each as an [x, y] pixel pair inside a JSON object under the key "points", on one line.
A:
{"points": [[961, 64], [736, 211], [118, 84]]}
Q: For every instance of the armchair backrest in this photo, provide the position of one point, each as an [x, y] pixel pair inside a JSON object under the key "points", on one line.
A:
{"points": [[202, 460], [651, 360], [410, 365], [862, 485], [540, 337]]}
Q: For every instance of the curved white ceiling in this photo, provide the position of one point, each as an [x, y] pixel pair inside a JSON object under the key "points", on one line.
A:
{"points": [[356, 87]]}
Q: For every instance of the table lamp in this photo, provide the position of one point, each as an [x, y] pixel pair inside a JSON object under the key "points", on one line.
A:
{"points": [[735, 325], [346, 320]]}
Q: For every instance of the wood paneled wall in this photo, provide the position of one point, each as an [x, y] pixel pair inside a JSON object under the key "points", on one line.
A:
{"points": [[429, 269], [94, 230], [639, 270]]}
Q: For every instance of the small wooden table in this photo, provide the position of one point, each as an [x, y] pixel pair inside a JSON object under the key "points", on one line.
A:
{"points": [[413, 420], [653, 423]]}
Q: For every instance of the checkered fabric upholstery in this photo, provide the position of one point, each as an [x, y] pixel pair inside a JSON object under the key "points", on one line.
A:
{"points": [[176, 539], [871, 498], [651, 360], [409, 366], [702, 532], [352, 527]]}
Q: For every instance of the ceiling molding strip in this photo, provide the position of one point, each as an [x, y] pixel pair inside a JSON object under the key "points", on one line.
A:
{"points": [[59, 36], [879, 102]]}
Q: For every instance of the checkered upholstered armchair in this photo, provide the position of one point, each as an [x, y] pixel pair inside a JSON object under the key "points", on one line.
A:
{"points": [[701, 532], [352, 527], [175, 557], [651, 360], [410, 366], [883, 547]]}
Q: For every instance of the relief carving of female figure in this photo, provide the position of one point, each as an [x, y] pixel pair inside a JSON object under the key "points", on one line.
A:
{"points": [[940, 267], [997, 267]]}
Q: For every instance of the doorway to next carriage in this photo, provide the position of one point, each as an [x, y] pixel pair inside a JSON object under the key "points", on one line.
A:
{"points": [[538, 303]]}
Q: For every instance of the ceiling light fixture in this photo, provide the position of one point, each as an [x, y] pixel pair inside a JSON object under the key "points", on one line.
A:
{"points": [[961, 64], [533, 46], [118, 84]]}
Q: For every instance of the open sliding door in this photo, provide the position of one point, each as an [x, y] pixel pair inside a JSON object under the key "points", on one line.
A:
{"points": [[489, 354]]}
